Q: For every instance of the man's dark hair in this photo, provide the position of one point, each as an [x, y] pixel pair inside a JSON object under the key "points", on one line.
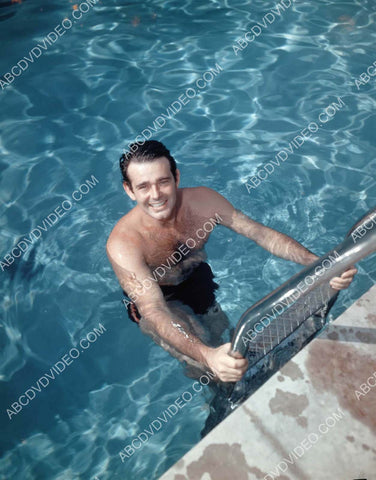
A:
{"points": [[149, 151]]}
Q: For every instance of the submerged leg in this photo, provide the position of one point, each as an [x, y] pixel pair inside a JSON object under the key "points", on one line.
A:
{"points": [[217, 323], [191, 324]]}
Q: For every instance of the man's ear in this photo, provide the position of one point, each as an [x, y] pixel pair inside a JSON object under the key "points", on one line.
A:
{"points": [[177, 177], [128, 191]]}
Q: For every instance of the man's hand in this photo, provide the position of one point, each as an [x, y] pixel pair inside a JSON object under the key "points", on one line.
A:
{"points": [[342, 282], [227, 369]]}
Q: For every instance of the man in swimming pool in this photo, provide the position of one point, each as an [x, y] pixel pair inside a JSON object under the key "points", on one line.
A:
{"points": [[157, 253]]}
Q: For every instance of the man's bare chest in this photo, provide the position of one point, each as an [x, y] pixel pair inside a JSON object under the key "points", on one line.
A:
{"points": [[160, 244]]}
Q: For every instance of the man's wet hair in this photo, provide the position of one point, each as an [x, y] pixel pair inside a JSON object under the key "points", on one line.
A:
{"points": [[151, 150]]}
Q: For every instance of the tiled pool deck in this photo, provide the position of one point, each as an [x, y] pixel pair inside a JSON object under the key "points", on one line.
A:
{"points": [[315, 419]]}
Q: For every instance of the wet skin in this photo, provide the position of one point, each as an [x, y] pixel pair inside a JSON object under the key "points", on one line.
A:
{"points": [[164, 217]]}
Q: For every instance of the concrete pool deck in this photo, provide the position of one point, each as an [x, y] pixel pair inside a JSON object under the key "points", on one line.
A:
{"points": [[313, 419]]}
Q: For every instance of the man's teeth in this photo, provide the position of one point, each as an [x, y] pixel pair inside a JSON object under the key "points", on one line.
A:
{"points": [[158, 204]]}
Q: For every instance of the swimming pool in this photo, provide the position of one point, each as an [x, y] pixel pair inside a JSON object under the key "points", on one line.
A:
{"points": [[74, 103]]}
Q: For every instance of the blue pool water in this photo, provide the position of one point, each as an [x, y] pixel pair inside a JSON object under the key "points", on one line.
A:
{"points": [[65, 120]]}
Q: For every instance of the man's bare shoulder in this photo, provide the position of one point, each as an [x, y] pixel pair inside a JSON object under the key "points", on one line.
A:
{"points": [[208, 201], [201, 190], [124, 236], [199, 194]]}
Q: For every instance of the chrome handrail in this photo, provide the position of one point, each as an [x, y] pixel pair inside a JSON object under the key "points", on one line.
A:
{"points": [[359, 243]]}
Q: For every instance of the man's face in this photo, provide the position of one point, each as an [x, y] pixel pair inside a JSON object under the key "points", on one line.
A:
{"points": [[154, 187]]}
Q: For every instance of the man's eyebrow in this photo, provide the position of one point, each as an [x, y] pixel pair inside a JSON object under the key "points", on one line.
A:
{"points": [[146, 183], [141, 184]]}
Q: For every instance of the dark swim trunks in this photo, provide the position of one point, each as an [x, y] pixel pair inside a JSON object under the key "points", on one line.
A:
{"points": [[197, 291]]}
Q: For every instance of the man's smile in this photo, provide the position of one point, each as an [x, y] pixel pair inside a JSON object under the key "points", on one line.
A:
{"points": [[158, 204]]}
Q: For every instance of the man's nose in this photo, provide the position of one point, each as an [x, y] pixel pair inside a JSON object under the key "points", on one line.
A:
{"points": [[155, 191]]}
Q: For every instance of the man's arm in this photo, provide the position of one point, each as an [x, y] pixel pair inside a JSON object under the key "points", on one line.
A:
{"points": [[284, 246], [131, 271], [275, 242]]}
